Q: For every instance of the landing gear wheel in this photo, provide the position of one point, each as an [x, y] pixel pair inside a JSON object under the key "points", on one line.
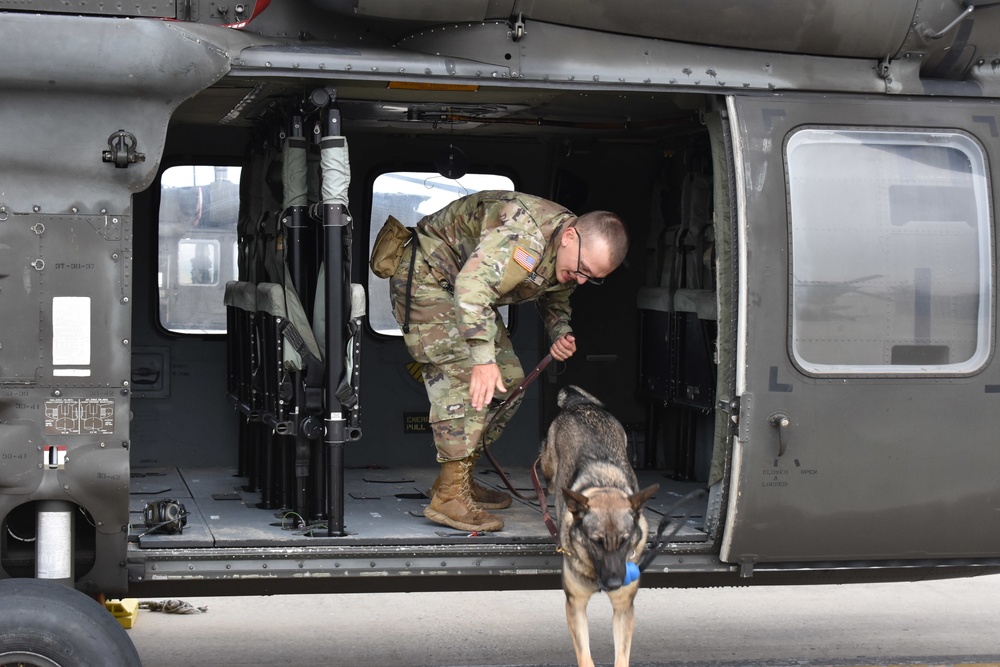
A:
{"points": [[43, 624]]}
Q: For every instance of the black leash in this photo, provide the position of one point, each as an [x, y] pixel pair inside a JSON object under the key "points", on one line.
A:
{"points": [[652, 549]]}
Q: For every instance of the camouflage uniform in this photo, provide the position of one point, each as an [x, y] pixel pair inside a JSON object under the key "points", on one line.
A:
{"points": [[489, 249]]}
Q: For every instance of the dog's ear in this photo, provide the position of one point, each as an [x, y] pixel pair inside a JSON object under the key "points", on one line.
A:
{"points": [[576, 503], [637, 499]]}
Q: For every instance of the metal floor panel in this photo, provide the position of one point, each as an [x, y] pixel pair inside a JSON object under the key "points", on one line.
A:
{"points": [[383, 506]]}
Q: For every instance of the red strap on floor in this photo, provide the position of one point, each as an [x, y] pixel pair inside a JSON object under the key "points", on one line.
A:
{"points": [[503, 408]]}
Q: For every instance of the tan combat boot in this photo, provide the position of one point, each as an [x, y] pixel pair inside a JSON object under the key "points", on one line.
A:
{"points": [[485, 497], [452, 503]]}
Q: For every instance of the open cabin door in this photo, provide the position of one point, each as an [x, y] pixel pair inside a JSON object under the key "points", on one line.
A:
{"points": [[869, 422]]}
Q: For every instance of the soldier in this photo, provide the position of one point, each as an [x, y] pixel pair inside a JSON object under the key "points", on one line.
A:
{"points": [[483, 251]]}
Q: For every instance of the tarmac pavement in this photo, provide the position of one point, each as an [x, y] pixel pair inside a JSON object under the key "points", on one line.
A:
{"points": [[947, 622]]}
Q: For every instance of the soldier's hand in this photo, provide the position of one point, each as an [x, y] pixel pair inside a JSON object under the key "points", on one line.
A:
{"points": [[563, 348], [486, 379]]}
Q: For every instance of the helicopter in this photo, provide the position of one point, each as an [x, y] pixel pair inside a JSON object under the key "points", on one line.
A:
{"points": [[203, 390]]}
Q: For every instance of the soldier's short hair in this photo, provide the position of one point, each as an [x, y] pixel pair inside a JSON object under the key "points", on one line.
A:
{"points": [[608, 226]]}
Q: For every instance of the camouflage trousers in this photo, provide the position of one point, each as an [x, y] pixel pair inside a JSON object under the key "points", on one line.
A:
{"points": [[434, 341]]}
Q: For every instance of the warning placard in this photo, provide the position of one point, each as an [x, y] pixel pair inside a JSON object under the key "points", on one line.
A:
{"points": [[416, 422], [79, 416]]}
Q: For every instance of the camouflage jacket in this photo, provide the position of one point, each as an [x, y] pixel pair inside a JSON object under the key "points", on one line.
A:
{"points": [[496, 248]]}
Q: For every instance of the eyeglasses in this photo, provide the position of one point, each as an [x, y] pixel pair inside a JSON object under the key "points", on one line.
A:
{"points": [[579, 253]]}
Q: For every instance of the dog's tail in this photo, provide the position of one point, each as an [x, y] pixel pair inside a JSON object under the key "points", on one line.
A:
{"points": [[572, 395]]}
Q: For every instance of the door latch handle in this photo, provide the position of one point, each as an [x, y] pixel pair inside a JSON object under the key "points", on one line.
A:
{"points": [[780, 421]]}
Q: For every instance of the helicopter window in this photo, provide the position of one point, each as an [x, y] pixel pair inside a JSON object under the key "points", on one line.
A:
{"points": [[409, 196], [199, 207], [891, 263]]}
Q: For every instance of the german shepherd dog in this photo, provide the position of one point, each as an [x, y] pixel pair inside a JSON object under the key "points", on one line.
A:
{"points": [[599, 511]]}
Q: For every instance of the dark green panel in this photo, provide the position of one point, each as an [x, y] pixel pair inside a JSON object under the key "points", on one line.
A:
{"points": [[869, 467]]}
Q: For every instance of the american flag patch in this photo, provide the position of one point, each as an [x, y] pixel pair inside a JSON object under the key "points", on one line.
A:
{"points": [[525, 259]]}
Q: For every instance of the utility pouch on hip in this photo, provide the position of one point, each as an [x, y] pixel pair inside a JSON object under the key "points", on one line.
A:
{"points": [[389, 245]]}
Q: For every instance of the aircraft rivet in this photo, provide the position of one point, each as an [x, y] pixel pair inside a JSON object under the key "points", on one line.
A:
{"points": [[57, 393], [104, 211], [124, 299], [102, 445], [36, 208], [75, 209], [66, 487], [125, 341]]}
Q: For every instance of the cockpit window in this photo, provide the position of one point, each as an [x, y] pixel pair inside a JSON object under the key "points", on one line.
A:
{"points": [[408, 196], [890, 252]]}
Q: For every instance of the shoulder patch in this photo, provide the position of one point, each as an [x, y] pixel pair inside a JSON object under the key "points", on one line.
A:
{"points": [[525, 258]]}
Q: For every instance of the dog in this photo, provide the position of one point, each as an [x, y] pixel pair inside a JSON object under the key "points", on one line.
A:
{"points": [[599, 513]]}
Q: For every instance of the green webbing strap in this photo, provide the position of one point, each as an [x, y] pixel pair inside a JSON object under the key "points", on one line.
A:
{"points": [[409, 281]]}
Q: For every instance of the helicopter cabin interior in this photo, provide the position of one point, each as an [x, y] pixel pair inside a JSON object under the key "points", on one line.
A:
{"points": [[212, 399]]}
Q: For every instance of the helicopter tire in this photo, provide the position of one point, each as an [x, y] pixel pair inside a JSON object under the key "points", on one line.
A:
{"points": [[45, 624]]}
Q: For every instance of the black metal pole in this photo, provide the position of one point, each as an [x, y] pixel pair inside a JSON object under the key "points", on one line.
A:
{"points": [[301, 270], [334, 219]]}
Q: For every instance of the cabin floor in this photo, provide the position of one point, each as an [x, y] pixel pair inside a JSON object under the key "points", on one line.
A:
{"points": [[383, 506]]}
